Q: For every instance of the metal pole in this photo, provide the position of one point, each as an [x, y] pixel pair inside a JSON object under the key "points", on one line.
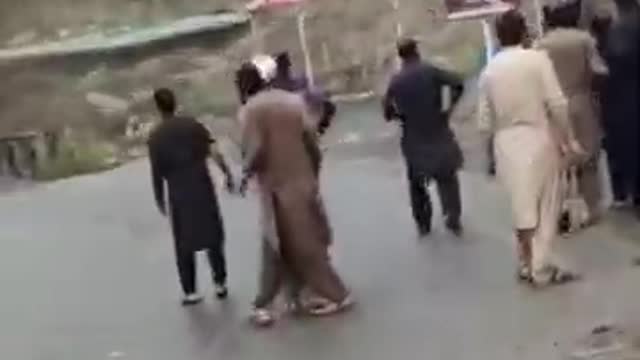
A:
{"points": [[255, 36], [308, 65], [489, 42], [326, 57], [396, 9], [398, 30], [539, 18]]}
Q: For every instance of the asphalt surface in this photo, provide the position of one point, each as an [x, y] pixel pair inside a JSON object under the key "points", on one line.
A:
{"points": [[87, 272]]}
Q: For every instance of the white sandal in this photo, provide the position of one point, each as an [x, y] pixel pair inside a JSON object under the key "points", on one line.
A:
{"points": [[262, 317], [331, 308]]}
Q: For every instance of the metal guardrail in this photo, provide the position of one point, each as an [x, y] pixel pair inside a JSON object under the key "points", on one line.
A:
{"points": [[20, 153]]}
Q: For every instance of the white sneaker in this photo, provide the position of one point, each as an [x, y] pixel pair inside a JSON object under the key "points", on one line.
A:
{"points": [[192, 299]]}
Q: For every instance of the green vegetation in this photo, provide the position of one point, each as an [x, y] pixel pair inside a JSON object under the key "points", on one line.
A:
{"points": [[73, 160]]}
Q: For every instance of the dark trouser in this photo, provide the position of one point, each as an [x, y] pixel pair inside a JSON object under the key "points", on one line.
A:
{"points": [[622, 182], [636, 193], [449, 192], [186, 261], [491, 157], [636, 189]]}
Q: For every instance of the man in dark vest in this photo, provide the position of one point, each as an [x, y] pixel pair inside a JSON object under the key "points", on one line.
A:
{"points": [[429, 146], [178, 149]]}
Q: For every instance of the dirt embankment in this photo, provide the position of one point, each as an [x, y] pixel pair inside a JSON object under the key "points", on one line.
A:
{"points": [[351, 46], [107, 98]]}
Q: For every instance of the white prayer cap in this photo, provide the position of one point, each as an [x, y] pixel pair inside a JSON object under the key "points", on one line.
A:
{"points": [[266, 65]]}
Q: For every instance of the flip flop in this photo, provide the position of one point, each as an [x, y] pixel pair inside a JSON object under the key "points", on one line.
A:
{"points": [[315, 303], [558, 277], [331, 308], [524, 274]]}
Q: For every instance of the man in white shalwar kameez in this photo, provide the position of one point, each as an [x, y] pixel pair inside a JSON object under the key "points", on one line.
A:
{"points": [[522, 104]]}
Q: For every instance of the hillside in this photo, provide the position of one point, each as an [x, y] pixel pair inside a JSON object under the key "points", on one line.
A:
{"points": [[351, 45]]}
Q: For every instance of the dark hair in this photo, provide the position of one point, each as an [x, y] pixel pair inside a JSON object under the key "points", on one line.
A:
{"points": [[408, 49], [600, 25], [283, 61], [165, 100], [565, 15], [248, 81], [511, 28], [627, 4]]}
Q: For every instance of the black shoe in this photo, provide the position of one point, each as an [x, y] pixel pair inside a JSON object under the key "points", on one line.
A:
{"points": [[222, 292], [455, 228], [191, 299], [424, 231], [564, 223], [491, 170]]}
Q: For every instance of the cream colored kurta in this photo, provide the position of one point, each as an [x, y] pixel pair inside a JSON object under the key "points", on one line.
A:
{"points": [[577, 63], [522, 103]]}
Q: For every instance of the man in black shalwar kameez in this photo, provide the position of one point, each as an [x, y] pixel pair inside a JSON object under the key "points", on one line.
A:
{"points": [[429, 145], [178, 151]]}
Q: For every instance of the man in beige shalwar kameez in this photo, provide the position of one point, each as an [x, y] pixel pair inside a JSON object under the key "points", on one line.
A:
{"points": [[577, 63], [594, 9], [280, 149], [522, 104]]}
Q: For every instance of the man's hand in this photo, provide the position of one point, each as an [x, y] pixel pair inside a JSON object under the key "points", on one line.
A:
{"points": [[162, 208], [491, 169], [230, 184], [219, 160], [572, 148], [573, 153], [244, 185], [576, 148]]}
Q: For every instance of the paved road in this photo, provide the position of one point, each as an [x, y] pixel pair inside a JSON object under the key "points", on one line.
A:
{"points": [[87, 272]]}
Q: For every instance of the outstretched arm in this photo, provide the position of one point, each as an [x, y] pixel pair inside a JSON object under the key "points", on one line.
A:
{"points": [[484, 112], [558, 107], [157, 180], [328, 113], [596, 62], [454, 82], [312, 133], [251, 147], [389, 106], [203, 136], [222, 164], [486, 119], [310, 141]]}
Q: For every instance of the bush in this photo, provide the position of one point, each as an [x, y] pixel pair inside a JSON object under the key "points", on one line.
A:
{"points": [[73, 160]]}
